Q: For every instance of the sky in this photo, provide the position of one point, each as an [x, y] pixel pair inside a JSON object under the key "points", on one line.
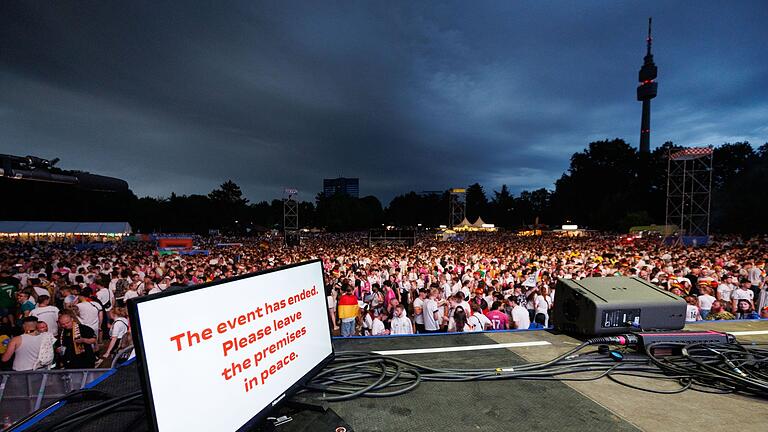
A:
{"points": [[181, 96]]}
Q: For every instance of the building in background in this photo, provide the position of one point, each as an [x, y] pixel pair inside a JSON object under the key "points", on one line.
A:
{"points": [[36, 189], [342, 185]]}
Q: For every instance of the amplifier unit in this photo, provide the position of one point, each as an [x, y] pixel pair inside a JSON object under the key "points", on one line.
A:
{"points": [[612, 305]]}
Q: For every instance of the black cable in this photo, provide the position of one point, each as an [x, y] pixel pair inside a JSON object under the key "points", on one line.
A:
{"points": [[704, 368], [683, 388], [723, 367], [708, 368]]}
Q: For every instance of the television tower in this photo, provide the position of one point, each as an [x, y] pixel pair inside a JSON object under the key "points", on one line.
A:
{"points": [[645, 92]]}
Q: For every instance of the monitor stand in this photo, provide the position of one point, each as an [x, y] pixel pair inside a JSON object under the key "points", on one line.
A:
{"points": [[299, 416]]}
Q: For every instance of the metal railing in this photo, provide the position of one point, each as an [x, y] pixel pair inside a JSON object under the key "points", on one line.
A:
{"points": [[24, 392]]}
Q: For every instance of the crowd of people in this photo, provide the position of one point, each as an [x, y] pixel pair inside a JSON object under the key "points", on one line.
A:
{"points": [[65, 307], [500, 281]]}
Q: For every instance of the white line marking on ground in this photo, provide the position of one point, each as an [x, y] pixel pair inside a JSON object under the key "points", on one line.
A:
{"points": [[463, 348], [749, 333]]}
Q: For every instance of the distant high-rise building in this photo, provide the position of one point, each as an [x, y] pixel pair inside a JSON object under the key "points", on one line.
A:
{"points": [[348, 186], [431, 192], [645, 92]]}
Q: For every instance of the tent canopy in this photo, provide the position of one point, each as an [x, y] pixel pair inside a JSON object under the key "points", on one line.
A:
{"points": [[464, 223], [479, 223], [38, 227]]}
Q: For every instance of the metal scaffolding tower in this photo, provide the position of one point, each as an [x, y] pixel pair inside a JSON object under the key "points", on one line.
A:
{"points": [[458, 207], [689, 194], [291, 217]]}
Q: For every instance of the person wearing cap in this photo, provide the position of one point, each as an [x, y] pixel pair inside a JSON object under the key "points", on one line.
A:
{"points": [[26, 346]]}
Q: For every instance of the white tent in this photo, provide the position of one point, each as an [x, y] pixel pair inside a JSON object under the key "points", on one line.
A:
{"points": [[479, 223], [464, 223]]}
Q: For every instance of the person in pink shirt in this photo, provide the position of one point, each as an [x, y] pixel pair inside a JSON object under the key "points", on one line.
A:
{"points": [[389, 293], [498, 317]]}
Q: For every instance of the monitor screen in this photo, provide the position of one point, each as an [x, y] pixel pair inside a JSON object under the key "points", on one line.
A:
{"points": [[219, 356]]}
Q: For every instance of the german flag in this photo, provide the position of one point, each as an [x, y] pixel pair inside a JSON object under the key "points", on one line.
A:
{"points": [[347, 306]]}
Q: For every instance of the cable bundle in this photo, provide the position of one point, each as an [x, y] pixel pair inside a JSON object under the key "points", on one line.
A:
{"points": [[723, 368], [707, 368], [710, 368]]}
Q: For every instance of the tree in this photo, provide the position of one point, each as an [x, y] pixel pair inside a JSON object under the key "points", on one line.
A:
{"points": [[411, 209], [342, 212], [739, 204], [502, 205], [600, 187], [729, 162], [229, 207], [228, 193], [307, 217], [477, 202], [532, 205]]}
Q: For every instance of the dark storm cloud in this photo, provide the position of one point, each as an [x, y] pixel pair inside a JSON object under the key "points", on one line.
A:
{"points": [[406, 96]]}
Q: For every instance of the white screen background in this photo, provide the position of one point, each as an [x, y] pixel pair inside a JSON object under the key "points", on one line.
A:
{"points": [[187, 387]]}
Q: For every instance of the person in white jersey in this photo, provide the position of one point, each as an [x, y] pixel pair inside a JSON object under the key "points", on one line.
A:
{"points": [[47, 313], [400, 323], [418, 310], [518, 315], [91, 313]]}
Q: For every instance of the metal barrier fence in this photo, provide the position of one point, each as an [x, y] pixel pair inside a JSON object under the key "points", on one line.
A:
{"points": [[24, 392]]}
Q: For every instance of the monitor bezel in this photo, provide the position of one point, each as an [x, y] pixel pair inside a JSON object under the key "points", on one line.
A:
{"points": [[141, 359]]}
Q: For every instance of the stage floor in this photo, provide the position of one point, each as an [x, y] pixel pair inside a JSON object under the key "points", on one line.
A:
{"points": [[508, 405], [596, 405]]}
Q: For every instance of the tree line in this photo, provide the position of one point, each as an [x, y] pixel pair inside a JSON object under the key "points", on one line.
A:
{"points": [[608, 186]]}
